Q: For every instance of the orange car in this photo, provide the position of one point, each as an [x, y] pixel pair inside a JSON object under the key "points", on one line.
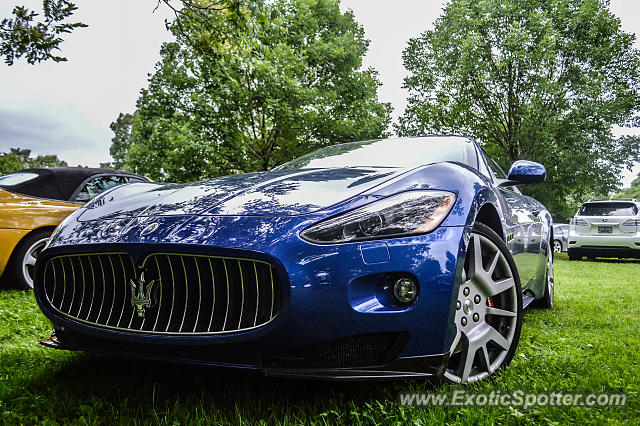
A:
{"points": [[34, 201]]}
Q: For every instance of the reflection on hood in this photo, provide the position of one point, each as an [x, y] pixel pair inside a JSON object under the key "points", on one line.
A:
{"points": [[276, 193]]}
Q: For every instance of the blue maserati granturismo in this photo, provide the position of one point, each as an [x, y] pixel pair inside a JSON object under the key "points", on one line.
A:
{"points": [[394, 258]]}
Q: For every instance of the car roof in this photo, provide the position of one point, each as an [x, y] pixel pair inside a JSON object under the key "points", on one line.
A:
{"points": [[59, 183]]}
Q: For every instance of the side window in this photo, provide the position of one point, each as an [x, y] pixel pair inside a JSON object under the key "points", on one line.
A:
{"points": [[495, 168], [497, 171], [98, 185], [482, 166]]}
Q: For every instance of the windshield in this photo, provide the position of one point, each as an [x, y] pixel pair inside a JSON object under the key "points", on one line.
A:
{"points": [[16, 178], [608, 209], [401, 152]]}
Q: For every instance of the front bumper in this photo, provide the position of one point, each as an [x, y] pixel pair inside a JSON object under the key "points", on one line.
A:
{"points": [[329, 295], [239, 358]]}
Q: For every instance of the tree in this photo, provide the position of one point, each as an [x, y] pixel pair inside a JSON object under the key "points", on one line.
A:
{"points": [[10, 162], [531, 79], [37, 41], [24, 155], [121, 139], [206, 115], [47, 161], [23, 36], [632, 192], [18, 158]]}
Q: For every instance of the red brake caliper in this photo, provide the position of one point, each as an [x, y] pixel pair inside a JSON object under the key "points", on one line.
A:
{"points": [[491, 305]]}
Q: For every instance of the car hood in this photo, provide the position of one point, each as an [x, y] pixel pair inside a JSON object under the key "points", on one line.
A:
{"points": [[275, 193]]}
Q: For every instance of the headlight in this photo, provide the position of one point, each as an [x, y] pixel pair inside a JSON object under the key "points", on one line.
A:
{"points": [[408, 213]]}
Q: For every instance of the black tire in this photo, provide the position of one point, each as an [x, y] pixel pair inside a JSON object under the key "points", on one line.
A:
{"points": [[32, 243], [503, 297]]}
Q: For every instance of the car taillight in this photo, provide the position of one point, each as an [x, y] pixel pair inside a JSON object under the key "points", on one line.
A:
{"points": [[578, 222]]}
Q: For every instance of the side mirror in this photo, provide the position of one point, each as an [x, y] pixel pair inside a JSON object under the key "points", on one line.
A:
{"points": [[523, 171]]}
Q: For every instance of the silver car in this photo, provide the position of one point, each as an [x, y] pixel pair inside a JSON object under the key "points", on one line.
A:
{"points": [[560, 237], [606, 228]]}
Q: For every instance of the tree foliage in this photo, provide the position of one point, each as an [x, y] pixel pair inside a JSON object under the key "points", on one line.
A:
{"points": [[36, 41], [18, 158], [212, 109], [238, 20], [542, 80], [632, 192], [122, 138]]}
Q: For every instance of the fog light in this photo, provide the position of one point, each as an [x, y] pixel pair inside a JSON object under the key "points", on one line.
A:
{"points": [[405, 290]]}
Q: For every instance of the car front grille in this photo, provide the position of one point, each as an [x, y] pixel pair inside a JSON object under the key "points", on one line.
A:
{"points": [[169, 294]]}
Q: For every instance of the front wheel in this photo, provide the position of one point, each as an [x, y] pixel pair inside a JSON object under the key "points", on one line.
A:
{"points": [[23, 259], [488, 316]]}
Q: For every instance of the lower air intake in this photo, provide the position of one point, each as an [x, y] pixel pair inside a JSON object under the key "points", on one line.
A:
{"points": [[364, 350]]}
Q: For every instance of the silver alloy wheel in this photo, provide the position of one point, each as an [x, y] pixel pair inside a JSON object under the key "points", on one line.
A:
{"points": [[29, 260], [486, 313], [557, 246]]}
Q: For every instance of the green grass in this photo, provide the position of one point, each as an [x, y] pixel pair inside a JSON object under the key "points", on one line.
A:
{"points": [[590, 342]]}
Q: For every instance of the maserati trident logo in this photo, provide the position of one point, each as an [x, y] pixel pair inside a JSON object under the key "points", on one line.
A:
{"points": [[141, 294]]}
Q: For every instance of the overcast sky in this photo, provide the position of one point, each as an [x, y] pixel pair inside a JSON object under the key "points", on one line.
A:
{"points": [[66, 108]]}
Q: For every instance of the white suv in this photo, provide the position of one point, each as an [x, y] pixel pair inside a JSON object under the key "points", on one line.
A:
{"points": [[606, 228]]}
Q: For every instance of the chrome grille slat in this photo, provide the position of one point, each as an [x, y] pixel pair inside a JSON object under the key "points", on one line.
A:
{"points": [[113, 298], [191, 294], [73, 280], [255, 319], [213, 289], [159, 302], [195, 324], [93, 293], [173, 293], [242, 288], [51, 267], [124, 282], [186, 297], [226, 311], [83, 288], [104, 290], [127, 300], [272, 292], [64, 279]]}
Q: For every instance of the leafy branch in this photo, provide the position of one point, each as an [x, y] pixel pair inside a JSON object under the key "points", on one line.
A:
{"points": [[36, 41]]}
